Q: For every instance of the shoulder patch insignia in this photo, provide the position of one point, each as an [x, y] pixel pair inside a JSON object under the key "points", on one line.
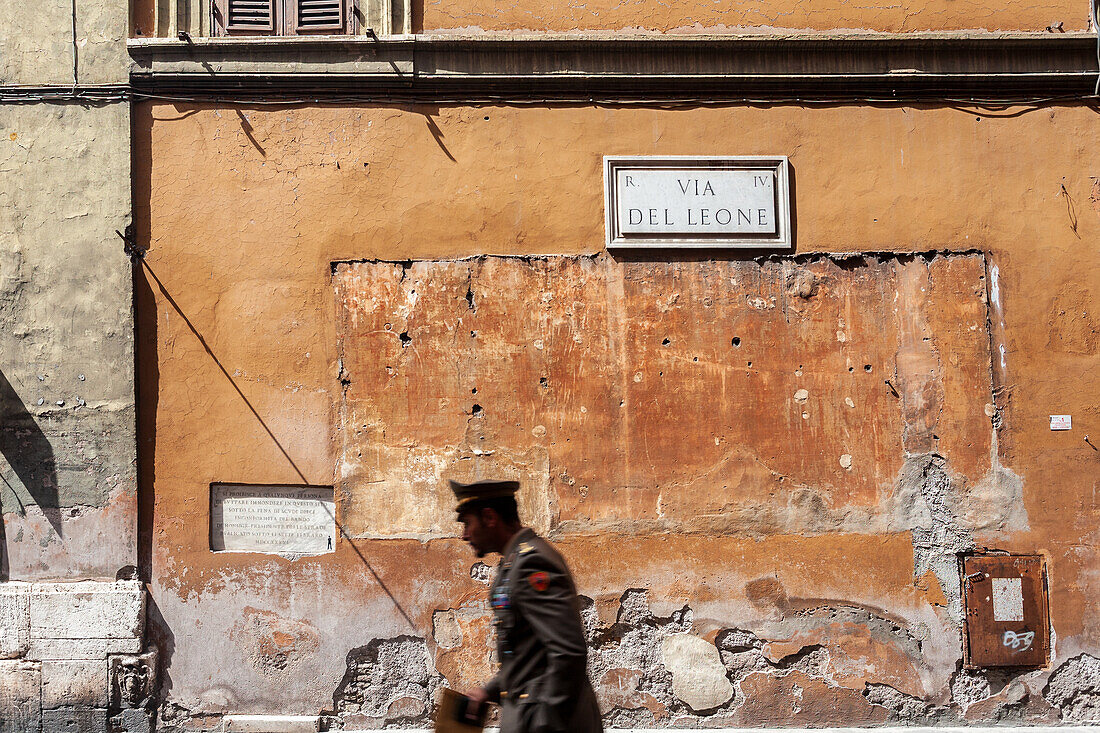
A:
{"points": [[526, 547], [540, 581]]}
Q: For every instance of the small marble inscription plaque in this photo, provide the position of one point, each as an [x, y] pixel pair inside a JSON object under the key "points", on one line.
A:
{"points": [[674, 201], [281, 520]]}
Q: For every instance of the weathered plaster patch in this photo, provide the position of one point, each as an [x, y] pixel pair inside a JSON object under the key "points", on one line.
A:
{"points": [[861, 648], [389, 679], [624, 661], [299, 681], [275, 643], [925, 504], [85, 541], [698, 675], [391, 491], [994, 503], [1075, 689], [464, 649], [797, 698], [641, 372], [903, 709], [636, 680], [446, 630], [943, 511], [1013, 704]]}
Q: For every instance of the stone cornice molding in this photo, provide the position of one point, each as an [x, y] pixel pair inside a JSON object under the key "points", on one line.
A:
{"points": [[597, 67]]}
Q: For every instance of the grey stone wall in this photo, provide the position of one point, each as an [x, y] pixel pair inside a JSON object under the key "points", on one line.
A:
{"points": [[72, 623], [40, 45], [71, 657], [67, 441]]}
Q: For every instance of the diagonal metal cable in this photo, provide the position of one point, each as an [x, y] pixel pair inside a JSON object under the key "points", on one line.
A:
{"points": [[274, 439]]}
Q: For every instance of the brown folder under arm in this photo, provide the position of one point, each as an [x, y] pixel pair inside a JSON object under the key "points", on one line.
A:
{"points": [[451, 714]]}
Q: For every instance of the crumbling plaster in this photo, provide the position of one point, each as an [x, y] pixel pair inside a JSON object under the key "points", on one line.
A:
{"points": [[67, 445], [342, 184]]}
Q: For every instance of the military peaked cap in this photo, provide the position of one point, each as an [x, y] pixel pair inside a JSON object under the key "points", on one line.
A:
{"points": [[479, 490]]}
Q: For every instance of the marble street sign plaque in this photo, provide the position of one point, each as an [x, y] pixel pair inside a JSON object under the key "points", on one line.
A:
{"points": [[281, 520], [731, 201]]}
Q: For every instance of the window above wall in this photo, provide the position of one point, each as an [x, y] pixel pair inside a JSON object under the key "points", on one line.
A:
{"points": [[282, 17], [239, 18]]}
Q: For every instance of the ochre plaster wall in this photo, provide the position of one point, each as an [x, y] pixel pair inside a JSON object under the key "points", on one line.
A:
{"points": [[246, 210], [706, 16], [712, 17]]}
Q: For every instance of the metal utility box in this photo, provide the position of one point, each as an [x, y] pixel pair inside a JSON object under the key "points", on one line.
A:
{"points": [[1006, 615]]}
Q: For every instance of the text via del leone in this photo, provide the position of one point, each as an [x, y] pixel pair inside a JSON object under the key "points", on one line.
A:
{"points": [[676, 201]]}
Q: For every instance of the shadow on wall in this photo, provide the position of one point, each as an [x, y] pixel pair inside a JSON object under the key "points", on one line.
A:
{"points": [[148, 385], [146, 287], [27, 450]]}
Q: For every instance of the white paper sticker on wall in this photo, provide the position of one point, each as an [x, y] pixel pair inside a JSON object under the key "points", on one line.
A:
{"points": [[1061, 422], [1008, 599]]}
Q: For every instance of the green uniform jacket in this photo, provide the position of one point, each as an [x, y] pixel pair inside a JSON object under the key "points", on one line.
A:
{"points": [[542, 684]]}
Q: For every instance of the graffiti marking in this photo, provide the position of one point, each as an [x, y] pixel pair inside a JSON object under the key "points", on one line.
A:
{"points": [[1018, 641]]}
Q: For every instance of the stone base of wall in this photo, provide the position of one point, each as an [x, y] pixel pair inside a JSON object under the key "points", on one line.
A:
{"points": [[72, 658], [303, 723]]}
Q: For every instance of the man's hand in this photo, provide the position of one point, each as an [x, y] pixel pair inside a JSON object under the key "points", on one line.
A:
{"points": [[476, 705]]}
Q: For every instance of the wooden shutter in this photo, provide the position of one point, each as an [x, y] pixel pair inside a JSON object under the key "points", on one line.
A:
{"points": [[248, 16], [317, 16]]}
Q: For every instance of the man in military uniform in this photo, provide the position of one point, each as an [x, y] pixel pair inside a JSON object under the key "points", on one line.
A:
{"points": [[542, 685]]}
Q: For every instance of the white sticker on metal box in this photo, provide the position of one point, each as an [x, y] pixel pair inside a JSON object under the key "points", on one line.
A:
{"points": [[1008, 599]]}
